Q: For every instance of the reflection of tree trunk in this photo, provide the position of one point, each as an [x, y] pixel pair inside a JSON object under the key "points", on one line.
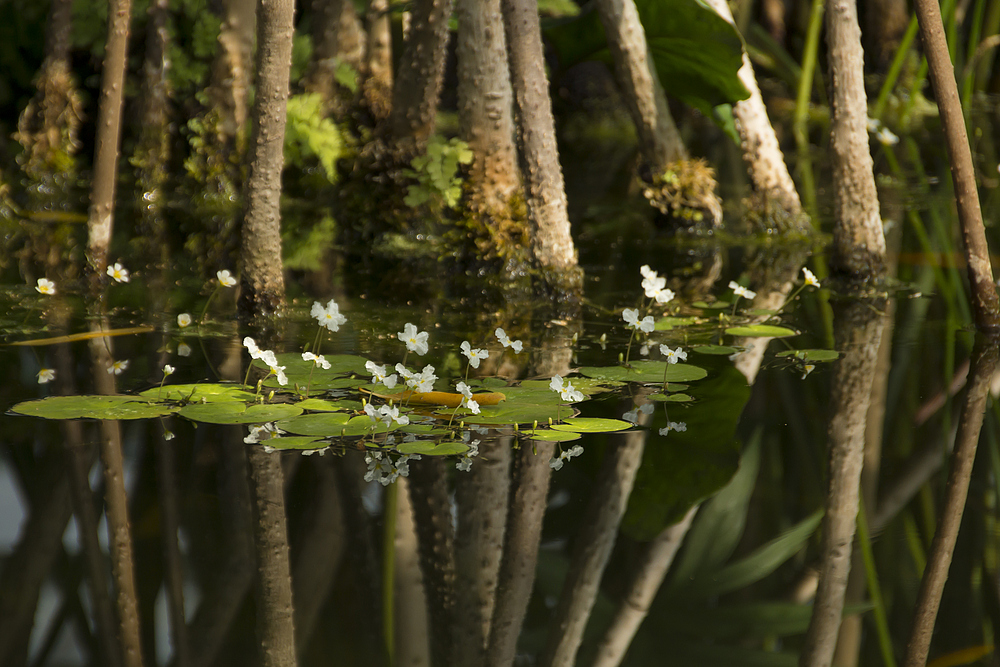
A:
{"points": [[984, 365], [432, 512], [262, 284], [412, 632], [337, 38], [481, 496], [275, 612], [520, 554], [649, 575], [858, 244], [419, 78], [593, 546], [552, 242], [318, 553], [109, 115], [167, 486], [859, 332], [376, 84]]}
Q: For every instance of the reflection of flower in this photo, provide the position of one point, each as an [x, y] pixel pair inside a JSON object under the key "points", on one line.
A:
{"points": [[415, 342], [46, 286], [262, 432], [556, 463], [225, 278], [739, 290], [810, 277], [680, 427], [46, 375], [632, 416], [184, 350], [379, 375], [474, 355], [329, 316], [504, 339], [118, 367], [631, 317], [566, 391], [673, 356], [119, 273], [807, 370], [168, 435], [317, 359], [183, 320], [465, 463]]}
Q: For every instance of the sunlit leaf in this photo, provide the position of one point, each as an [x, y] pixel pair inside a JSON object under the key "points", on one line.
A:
{"points": [[428, 447], [231, 412], [93, 407], [321, 405], [720, 350], [646, 371], [549, 435], [592, 425], [198, 393], [324, 424], [761, 331]]}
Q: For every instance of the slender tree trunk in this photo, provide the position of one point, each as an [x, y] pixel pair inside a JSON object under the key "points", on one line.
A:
{"points": [[419, 78], [858, 243], [376, 86], [337, 38], [100, 220], [984, 365], [552, 241], [985, 304], [485, 107], [262, 282], [229, 91], [859, 332]]}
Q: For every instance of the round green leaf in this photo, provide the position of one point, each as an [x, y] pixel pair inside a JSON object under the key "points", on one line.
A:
{"points": [[670, 398], [321, 405], [92, 407], [592, 425], [646, 371], [299, 442], [548, 435], [810, 355], [231, 412], [720, 350], [199, 393], [761, 331], [670, 323], [325, 423], [431, 448]]}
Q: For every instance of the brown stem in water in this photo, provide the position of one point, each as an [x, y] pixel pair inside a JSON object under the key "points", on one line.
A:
{"points": [[985, 303], [985, 358]]}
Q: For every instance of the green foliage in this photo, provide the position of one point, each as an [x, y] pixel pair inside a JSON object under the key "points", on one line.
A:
{"points": [[347, 76], [194, 41], [436, 173], [305, 246], [310, 134], [697, 52], [302, 50]]}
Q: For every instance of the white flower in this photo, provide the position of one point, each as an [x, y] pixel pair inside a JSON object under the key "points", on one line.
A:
{"points": [[809, 368], [251, 345], [653, 284], [406, 374], [647, 272], [631, 317], [810, 277], [565, 390], [46, 375], [225, 278], [380, 469], [673, 356], [168, 435], [328, 317], [680, 427], [504, 339], [415, 342], [168, 370], [472, 405], [118, 367], [467, 400], [662, 295], [565, 455], [317, 359], [474, 355], [886, 137], [379, 375], [372, 412], [46, 286], [873, 124], [183, 320], [423, 382], [269, 358], [184, 350], [119, 273], [739, 290], [262, 432], [464, 389]]}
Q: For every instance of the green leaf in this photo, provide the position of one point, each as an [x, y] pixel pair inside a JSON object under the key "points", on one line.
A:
{"points": [[199, 393], [92, 407], [321, 405], [300, 442], [670, 323], [230, 412], [670, 398], [324, 424], [761, 331], [810, 355], [592, 425], [548, 435], [719, 350], [432, 448], [646, 371]]}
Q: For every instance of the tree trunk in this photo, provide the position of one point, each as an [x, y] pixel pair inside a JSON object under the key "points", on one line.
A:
{"points": [[262, 282], [419, 78], [100, 220], [765, 162], [229, 91], [858, 243], [376, 86], [337, 38], [552, 242], [485, 107]]}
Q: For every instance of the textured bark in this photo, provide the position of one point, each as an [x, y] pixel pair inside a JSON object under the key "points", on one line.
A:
{"points": [[376, 86], [485, 106], [262, 281], [765, 161], [229, 91], [985, 303], [859, 332], [481, 496], [275, 612], [984, 365], [100, 219], [858, 243], [593, 546], [419, 78], [337, 38], [552, 242]]}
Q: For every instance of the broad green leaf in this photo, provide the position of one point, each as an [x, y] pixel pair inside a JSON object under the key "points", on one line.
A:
{"points": [[720, 350], [670, 398], [432, 448], [592, 425], [93, 407], [646, 371], [324, 423], [301, 442], [586, 386], [362, 425], [549, 435], [231, 412], [810, 355], [321, 405], [761, 331], [199, 393], [670, 323]]}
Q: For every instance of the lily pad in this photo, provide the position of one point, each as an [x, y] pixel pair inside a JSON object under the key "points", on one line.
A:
{"points": [[670, 398], [325, 423], [549, 435], [592, 425], [430, 448], [670, 323], [232, 412], [199, 393], [300, 442], [720, 350], [321, 405], [93, 407], [646, 371], [810, 355], [761, 331]]}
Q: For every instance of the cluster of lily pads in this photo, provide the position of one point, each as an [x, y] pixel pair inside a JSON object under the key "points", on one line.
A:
{"points": [[310, 402]]}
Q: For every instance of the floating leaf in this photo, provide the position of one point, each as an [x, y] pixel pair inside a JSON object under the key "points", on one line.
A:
{"points": [[669, 323], [586, 386], [93, 407], [427, 447], [646, 371], [300, 442], [761, 331], [321, 405], [198, 393], [714, 305], [231, 412], [362, 425], [720, 350], [810, 355], [325, 423], [423, 429], [670, 398], [549, 435], [592, 425]]}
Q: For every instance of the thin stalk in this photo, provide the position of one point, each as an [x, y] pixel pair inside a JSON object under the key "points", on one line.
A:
{"points": [[892, 76], [809, 58], [874, 589]]}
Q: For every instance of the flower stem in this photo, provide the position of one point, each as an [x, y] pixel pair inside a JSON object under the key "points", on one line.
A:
{"points": [[628, 350], [201, 320]]}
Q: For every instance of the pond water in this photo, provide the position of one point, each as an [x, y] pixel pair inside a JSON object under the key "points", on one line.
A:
{"points": [[669, 516]]}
